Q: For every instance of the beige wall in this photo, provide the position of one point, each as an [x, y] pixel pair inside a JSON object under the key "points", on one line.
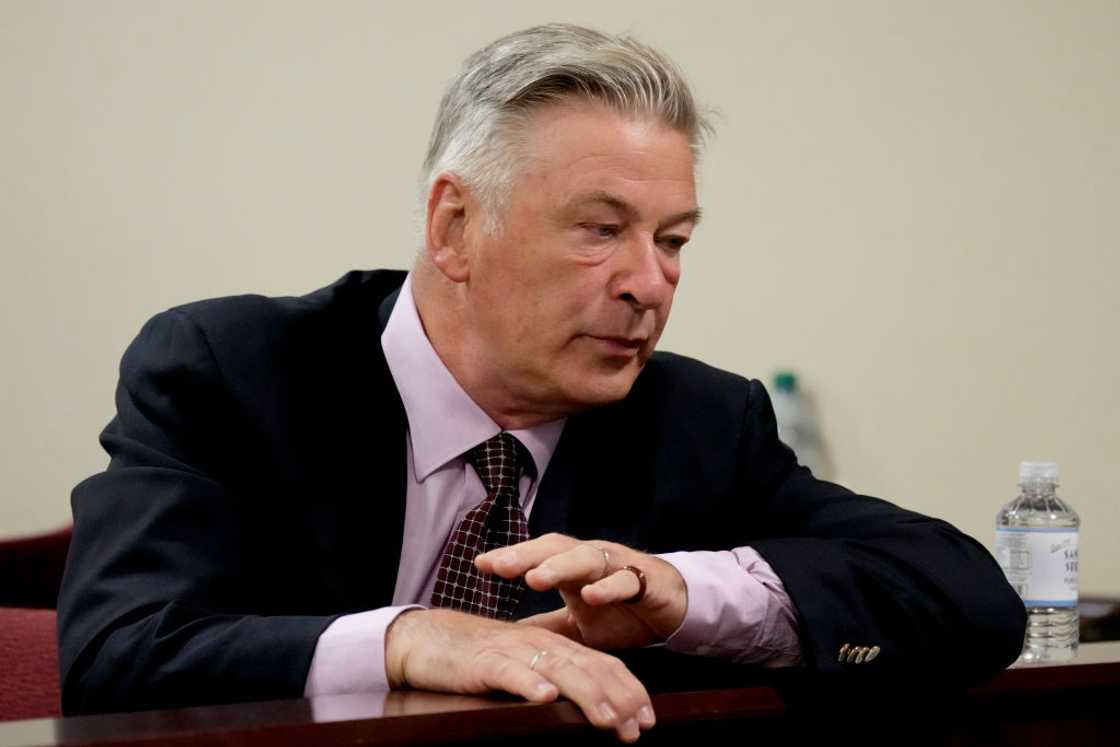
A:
{"points": [[912, 203]]}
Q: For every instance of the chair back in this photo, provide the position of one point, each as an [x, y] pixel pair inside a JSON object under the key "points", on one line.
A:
{"points": [[28, 649], [31, 569]]}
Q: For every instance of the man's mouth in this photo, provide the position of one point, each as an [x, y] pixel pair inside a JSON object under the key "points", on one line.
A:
{"points": [[620, 345]]}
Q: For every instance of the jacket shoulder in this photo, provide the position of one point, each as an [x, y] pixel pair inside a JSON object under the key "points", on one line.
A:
{"points": [[669, 374], [686, 396], [255, 339], [241, 317]]}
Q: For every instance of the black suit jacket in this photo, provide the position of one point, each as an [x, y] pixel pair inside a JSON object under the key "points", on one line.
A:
{"points": [[256, 491]]}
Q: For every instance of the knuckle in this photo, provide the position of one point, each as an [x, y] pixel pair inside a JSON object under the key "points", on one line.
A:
{"points": [[600, 719], [577, 660], [560, 662], [619, 668], [631, 700], [488, 668], [613, 663], [491, 660], [502, 668]]}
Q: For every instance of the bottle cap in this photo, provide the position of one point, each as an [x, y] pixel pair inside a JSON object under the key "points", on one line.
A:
{"points": [[1038, 472], [785, 381]]}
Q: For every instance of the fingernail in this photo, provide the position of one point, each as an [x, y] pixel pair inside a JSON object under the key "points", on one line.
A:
{"points": [[506, 558], [544, 690], [607, 712], [544, 573], [645, 716], [630, 729]]}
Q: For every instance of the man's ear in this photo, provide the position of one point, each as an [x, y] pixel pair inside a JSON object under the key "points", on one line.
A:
{"points": [[445, 230]]}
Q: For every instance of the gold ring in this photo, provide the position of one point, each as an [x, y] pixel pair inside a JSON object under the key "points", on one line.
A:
{"points": [[606, 562], [641, 593], [536, 659]]}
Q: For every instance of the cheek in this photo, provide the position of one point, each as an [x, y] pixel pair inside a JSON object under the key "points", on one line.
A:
{"points": [[662, 317], [564, 294], [671, 269], [538, 315]]}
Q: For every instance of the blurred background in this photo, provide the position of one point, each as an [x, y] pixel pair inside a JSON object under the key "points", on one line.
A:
{"points": [[915, 206]]}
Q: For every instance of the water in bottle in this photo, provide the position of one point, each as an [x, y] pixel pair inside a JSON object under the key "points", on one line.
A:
{"points": [[1036, 545], [797, 428]]}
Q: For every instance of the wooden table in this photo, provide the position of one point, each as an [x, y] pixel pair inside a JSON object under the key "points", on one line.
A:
{"points": [[1068, 704]]}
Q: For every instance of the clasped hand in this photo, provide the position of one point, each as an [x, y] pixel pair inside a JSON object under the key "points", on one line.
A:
{"points": [[594, 582], [556, 653]]}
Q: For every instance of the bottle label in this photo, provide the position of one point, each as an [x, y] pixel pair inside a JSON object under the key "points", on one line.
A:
{"points": [[1040, 564]]}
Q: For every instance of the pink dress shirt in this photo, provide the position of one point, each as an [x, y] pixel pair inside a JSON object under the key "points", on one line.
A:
{"points": [[737, 607]]}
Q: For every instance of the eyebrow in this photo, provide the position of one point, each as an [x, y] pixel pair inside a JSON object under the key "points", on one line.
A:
{"points": [[617, 203]]}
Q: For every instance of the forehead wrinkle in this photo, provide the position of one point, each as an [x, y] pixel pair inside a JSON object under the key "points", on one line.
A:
{"points": [[614, 202], [602, 197]]}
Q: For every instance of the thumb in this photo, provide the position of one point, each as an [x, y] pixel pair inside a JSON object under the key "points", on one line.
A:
{"points": [[557, 621]]}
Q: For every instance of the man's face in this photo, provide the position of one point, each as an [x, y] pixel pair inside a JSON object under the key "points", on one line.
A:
{"points": [[568, 300]]}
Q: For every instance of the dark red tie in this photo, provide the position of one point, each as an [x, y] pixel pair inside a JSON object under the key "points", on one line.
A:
{"points": [[496, 522]]}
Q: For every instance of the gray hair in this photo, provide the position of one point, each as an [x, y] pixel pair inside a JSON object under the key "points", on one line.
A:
{"points": [[483, 115]]}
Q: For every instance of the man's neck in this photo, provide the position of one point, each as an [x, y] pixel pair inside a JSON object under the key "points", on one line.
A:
{"points": [[442, 312]]}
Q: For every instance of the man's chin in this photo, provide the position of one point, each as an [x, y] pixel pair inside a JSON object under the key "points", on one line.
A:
{"points": [[605, 387]]}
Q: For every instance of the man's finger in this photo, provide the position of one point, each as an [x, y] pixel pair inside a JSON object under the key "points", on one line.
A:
{"points": [[557, 621], [505, 672], [515, 560], [608, 698], [583, 564], [617, 587], [639, 702]]}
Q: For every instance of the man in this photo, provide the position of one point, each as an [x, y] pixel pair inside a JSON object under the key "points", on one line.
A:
{"points": [[358, 488]]}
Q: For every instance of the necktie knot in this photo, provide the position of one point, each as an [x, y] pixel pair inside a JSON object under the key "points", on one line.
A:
{"points": [[499, 462]]}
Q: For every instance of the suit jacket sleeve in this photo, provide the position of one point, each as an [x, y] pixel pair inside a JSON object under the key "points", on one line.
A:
{"points": [[865, 572], [155, 608]]}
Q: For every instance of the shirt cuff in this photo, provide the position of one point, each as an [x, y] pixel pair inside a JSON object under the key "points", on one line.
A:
{"points": [[350, 654], [737, 609]]}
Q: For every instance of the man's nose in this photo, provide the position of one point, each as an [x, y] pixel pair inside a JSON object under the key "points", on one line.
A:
{"points": [[648, 275]]}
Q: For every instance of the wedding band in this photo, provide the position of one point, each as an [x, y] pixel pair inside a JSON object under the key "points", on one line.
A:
{"points": [[606, 562], [536, 659], [641, 584]]}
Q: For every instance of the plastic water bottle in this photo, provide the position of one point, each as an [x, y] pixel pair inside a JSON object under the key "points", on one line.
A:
{"points": [[796, 426], [1036, 545]]}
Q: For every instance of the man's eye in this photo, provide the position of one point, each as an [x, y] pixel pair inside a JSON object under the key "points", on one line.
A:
{"points": [[602, 230], [673, 243]]}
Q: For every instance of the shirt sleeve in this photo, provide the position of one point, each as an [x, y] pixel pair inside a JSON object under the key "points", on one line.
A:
{"points": [[737, 609], [350, 654]]}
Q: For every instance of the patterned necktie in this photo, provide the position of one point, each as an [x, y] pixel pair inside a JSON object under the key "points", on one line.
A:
{"points": [[496, 522]]}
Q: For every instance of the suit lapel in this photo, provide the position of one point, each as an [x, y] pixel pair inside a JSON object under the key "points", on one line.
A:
{"points": [[552, 508], [552, 511], [597, 486], [359, 521], [384, 311]]}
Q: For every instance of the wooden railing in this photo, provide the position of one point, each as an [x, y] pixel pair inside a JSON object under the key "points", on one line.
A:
{"points": [[1069, 704]]}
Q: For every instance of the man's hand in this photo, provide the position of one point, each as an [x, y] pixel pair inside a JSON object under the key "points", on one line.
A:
{"points": [[450, 651], [595, 585]]}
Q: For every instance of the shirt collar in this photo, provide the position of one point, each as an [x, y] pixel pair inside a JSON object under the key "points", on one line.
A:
{"points": [[443, 421]]}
